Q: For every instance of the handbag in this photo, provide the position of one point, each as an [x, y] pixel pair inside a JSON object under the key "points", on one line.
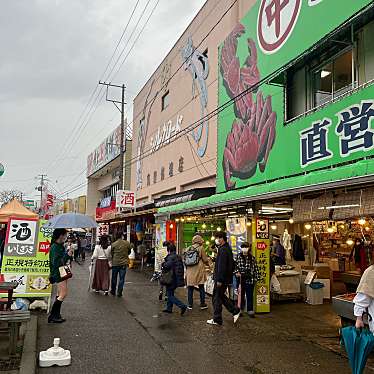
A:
{"points": [[65, 272], [166, 278], [109, 262]]}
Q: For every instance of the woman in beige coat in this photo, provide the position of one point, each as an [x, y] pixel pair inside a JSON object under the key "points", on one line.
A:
{"points": [[196, 275]]}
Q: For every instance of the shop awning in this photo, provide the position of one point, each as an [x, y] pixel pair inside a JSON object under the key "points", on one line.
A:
{"points": [[184, 197], [15, 209], [347, 175]]}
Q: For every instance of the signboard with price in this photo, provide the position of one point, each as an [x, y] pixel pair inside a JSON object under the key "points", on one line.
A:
{"points": [[261, 250], [26, 257], [125, 199]]}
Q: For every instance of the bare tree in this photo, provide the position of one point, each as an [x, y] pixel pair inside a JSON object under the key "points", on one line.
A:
{"points": [[9, 195]]}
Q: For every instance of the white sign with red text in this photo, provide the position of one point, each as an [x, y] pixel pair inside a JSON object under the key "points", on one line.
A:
{"points": [[125, 199]]}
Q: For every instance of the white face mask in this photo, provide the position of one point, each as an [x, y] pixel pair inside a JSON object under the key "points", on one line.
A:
{"points": [[217, 242], [245, 251]]}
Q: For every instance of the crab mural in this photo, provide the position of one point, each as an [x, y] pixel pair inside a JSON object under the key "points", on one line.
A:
{"points": [[252, 134]]}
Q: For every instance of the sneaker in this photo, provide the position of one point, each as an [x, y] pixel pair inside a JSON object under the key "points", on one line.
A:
{"points": [[236, 316], [183, 310], [106, 293], [189, 307], [251, 314], [203, 307], [213, 322], [167, 311]]}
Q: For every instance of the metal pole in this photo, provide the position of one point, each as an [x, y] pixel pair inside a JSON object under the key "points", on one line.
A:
{"points": [[123, 138]]}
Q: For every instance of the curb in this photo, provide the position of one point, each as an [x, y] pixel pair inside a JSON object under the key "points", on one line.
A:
{"points": [[28, 360]]}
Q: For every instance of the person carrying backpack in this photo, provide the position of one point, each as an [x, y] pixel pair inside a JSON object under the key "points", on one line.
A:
{"points": [[195, 260], [173, 266]]}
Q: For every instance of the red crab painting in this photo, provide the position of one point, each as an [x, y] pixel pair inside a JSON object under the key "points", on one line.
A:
{"points": [[252, 134]]}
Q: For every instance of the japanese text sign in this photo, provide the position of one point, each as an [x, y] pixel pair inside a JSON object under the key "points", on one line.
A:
{"points": [[261, 250], [255, 145], [125, 199], [26, 257], [236, 229], [103, 229]]}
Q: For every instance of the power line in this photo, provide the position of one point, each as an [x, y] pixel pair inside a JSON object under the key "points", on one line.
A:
{"points": [[82, 115], [193, 51], [129, 38], [137, 38]]}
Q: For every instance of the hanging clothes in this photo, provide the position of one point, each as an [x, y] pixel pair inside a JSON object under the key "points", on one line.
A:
{"points": [[286, 242], [298, 249]]}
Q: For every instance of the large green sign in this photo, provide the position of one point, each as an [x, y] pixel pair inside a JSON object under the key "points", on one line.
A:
{"points": [[254, 145]]}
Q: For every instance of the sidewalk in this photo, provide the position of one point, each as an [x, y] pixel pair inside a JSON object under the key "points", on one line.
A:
{"points": [[131, 335]]}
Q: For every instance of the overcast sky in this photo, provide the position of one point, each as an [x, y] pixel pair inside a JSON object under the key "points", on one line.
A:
{"points": [[53, 52]]}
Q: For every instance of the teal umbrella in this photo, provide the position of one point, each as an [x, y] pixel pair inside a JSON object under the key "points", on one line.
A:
{"points": [[358, 344]]}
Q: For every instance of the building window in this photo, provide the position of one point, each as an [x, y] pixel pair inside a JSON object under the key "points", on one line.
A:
{"points": [[162, 173], [155, 177], [181, 164], [148, 180], [171, 169], [165, 101], [333, 79]]}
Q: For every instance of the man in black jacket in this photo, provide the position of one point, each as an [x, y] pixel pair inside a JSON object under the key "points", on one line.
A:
{"points": [[174, 263], [223, 274]]}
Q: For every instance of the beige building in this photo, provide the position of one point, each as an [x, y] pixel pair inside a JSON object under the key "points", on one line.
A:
{"points": [[167, 158], [103, 173]]}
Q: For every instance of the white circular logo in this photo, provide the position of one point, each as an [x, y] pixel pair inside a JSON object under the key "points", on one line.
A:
{"points": [[276, 21]]}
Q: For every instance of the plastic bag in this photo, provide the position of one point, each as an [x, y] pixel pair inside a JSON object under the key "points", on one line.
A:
{"points": [[132, 254], [274, 284], [20, 304]]}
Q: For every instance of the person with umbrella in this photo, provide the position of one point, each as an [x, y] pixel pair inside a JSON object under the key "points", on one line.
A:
{"points": [[364, 300], [359, 341]]}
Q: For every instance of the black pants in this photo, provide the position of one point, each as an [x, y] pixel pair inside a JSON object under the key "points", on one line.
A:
{"points": [[219, 299]]}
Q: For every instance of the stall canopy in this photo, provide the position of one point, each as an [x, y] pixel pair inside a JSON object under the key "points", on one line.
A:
{"points": [[15, 209]]}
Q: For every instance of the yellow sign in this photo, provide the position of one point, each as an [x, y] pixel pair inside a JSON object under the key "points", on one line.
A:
{"points": [[261, 250]]}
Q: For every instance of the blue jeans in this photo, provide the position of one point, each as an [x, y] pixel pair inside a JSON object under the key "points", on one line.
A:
{"points": [[121, 271], [190, 294], [172, 299]]}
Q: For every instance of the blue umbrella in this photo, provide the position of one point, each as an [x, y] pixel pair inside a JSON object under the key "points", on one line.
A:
{"points": [[358, 344], [71, 220]]}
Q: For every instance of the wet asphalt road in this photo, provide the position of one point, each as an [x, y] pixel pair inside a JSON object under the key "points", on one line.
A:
{"points": [[130, 335]]}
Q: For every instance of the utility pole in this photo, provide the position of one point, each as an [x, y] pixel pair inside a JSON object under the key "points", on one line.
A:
{"points": [[122, 144], [42, 178]]}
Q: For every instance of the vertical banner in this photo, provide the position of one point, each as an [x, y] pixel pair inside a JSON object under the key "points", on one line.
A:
{"points": [[261, 250], [26, 257], [160, 250], [236, 229]]}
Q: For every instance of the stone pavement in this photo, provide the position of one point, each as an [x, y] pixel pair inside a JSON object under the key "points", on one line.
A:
{"points": [[131, 335]]}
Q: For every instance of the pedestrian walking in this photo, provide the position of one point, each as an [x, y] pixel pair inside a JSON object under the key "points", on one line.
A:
{"points": [[72, 246], [83, 246], [102, 255], [120, 258], [58, 258], [247, 272], [174, 264], [196, 260], [223, 274], [278, 253], [364, 300]]}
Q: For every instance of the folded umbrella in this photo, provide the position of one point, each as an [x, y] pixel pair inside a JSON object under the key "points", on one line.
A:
{"points": [[90, 268], [358, 344], [71, 220]]}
